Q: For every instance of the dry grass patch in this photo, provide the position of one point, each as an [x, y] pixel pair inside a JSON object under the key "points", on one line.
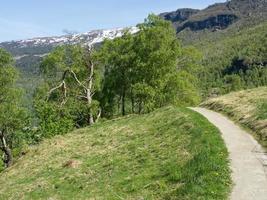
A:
{"points": [[248, 107]]}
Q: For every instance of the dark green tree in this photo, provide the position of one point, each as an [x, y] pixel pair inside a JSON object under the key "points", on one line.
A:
{"points": [[139, 68], [12, 116], [118, 57]]}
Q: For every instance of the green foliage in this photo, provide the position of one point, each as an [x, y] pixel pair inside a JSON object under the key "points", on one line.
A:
{"points": [[180, 89], [144, 96], [142, 70], [2, 165], [54, 120], [66, 106], [235, 62], [262, 110], [13, 118]]}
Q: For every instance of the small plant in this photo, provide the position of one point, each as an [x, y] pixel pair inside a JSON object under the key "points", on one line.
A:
{"points": [[262, 110]]}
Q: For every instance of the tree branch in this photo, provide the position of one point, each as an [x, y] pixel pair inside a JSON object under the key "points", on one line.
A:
{"points": [[53, 89], [77, 80], [82, 97]]}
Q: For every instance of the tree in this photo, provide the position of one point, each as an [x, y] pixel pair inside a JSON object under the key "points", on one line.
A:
{"points": [[139, 68], [164, 65], [118, 57], [12, 115], [73, 68]]}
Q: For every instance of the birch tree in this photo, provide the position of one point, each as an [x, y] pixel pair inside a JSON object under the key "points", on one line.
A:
{"points": [[71, 73]]}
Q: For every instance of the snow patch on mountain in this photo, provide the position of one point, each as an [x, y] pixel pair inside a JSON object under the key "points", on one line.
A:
{"points": [[90, 38]]}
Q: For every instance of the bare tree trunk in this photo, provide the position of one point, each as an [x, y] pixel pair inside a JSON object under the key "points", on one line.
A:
{"points": [[89, 102], [119, 104], [8, 160], [89, 90]]}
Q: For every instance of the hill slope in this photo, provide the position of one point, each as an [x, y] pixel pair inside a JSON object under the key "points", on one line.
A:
{"points": [[168, 154], [248, 107]]}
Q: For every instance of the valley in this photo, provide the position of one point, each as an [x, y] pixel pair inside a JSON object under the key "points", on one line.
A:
{"points": [[173, 107]]}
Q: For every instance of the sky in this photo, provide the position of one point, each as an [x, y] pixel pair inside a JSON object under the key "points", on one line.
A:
{"points": [[22, 19]]}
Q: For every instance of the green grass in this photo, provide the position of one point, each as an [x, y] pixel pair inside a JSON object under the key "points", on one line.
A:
{"points": [[262, 110], [171, 153], [247, 107]]}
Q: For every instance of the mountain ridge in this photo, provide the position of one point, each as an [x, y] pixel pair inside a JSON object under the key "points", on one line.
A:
{"points": [[90, 38], [219, 16]]}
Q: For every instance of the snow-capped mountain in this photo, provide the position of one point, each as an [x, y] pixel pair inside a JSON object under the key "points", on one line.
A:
{"points": [[91, 37], [21, 48]]}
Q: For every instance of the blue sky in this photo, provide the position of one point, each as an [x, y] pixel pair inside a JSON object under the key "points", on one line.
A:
{"points": [[20, 19]]}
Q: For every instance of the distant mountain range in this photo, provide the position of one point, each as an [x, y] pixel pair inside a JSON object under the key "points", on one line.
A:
{"points": [[42, 45]]}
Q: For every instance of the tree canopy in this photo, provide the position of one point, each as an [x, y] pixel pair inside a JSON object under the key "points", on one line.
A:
{"points": [[141, 70]]}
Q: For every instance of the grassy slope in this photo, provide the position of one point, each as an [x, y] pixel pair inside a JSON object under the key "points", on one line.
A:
{"points": [[248, 107], [171, 153]]}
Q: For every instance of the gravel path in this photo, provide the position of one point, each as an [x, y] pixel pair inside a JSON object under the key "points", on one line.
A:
{"points": [[248, 159]]}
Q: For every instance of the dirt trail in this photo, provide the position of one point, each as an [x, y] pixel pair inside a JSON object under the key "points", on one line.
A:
{"points": [[247, 157]]}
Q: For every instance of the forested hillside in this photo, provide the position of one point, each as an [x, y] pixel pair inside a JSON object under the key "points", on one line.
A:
{"points": [[157, 151], [232, 38], [235, 62]]}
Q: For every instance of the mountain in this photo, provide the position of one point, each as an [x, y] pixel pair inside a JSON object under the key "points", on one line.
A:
{"points": [[193, 25], [232, 39], [36, 48]]}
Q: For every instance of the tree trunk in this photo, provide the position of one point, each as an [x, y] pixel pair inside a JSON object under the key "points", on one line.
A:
{"points": [[132, 101], [123, 102], [140, 107], [89, 102], [8, 160], [98, 115], [89, 91]]}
